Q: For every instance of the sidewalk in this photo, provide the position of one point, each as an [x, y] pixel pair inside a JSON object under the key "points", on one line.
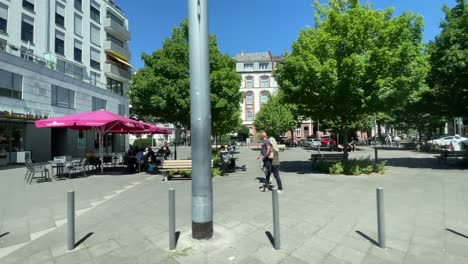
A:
{"points": [[319, 216]]}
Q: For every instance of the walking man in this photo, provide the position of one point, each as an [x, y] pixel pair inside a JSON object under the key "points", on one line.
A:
{"points": [[265, 151]]}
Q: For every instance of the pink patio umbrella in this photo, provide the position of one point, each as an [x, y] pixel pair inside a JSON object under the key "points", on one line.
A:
{"points": [[101, 120], [149, 129]]}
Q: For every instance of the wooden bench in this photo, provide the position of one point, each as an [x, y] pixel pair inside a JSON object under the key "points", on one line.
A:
{"points": [[169, 166], [449, 154], [316, 157], [281, 147]]}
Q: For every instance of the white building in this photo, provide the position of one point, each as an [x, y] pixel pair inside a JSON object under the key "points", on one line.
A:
{"points": [[60, 57], [258, 83]]}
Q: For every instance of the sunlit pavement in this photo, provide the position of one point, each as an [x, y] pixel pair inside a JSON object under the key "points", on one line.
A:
{"points": [[323, 218]]}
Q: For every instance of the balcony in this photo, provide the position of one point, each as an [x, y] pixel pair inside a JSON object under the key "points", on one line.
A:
{"points": [[116, 29], [112, 47], [114, 71]]}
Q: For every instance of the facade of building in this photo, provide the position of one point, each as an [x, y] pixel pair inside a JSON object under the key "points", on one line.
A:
{"points": [[258, 84], [60, 57]]}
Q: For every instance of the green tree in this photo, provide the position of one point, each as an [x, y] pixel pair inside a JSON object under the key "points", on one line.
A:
{"points": [[161, 90], [275, 118], [243, 132], [449, 60], [356, 61]]}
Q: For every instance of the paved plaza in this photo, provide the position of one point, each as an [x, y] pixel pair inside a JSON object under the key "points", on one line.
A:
{"points": [[123, 218]]}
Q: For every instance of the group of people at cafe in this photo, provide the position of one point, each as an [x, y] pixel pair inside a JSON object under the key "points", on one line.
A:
{"points": [[143, 159]]}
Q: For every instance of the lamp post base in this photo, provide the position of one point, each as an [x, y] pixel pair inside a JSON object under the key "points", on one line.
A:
{"points": [[202, 230]]}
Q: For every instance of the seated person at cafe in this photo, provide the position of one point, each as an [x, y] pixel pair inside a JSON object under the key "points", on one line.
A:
{"points": [[130, 159], [92, 159], [164, 151], [139, 158], [148, 157]]}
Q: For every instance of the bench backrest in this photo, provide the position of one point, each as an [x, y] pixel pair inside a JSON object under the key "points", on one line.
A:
{"points": [[175, 164], [326, 155]]}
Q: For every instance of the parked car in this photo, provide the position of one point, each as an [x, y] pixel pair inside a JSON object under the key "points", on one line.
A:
{"points": [[311, 142], [445, 141]]}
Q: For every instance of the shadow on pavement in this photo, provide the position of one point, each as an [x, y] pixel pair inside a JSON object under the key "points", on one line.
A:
{"points": [[270, 237], [298, 166], [4, 234], [367, 238], [456, 233], [83, 239], [429, 163]]}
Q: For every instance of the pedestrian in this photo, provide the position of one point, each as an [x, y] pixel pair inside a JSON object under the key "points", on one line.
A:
{"points": [[265, 151], [352, 144], [456, 143], [275, 163], [397, 140]]}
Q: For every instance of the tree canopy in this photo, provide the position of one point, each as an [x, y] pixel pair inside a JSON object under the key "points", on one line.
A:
{"points": [[355, 61], [275, 118], [448, 77], [161, 90]]}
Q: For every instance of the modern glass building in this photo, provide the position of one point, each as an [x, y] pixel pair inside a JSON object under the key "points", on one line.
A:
{"points": [[60, 57]]}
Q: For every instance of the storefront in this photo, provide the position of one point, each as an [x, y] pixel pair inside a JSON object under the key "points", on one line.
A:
{"points": [[16, 137]]}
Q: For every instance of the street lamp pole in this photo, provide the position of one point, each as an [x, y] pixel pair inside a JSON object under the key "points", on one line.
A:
{"points": [[200, 120]]}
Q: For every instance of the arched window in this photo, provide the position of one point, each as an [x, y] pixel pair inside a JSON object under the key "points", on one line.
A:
{"points": [[249, 82], [264, 96], [249, 98], [264, 81]]}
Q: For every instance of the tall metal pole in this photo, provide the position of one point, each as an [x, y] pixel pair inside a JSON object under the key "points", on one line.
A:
{"points": [[200, 120], [381, 217], [172, 235], [71, 220]]}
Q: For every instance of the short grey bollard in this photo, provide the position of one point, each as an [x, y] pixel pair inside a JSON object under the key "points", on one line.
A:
{"points": [[71, 220], [381, 217], [276, 225], [172, 235], [376, 156]]}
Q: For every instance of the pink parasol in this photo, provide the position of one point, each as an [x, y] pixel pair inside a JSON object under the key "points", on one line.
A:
{"points": [[149, 129], [100, 120]]}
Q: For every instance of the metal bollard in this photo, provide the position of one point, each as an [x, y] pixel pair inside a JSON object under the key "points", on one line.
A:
{"points": [[381, 217], [172, 235], [376, 156], [276, 225], [71, 220]]}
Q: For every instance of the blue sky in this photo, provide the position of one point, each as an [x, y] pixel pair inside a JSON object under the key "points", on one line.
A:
{"points": [[249, 25]]}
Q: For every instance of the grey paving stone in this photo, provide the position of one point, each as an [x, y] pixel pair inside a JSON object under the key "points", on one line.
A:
{"points": [[319, 244], [308, 254], [351, 255], [293, 260], [269, 255], [389, 254], [329, 259], [244, 229], [75, 257], [103, 248]]}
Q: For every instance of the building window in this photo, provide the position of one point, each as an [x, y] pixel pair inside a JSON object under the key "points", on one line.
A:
{"points": [[78, 25], [249, 98], [77, 51], [115, 86], [95, 61], [71, 69], [263, 66], [121, 109], [115, 18], [11, 84], [248, 66], [3, 44], [298, 132], [78, 5], [98, 104], [3, 17], [59, 14], [63, 97], [95, 78], [59, 43], [29, 5], [115, 40], [27, 29], [95, 13], [249, 114], [264, 97], [95, 35], [264, 81], [27, 54], [249, 82]]}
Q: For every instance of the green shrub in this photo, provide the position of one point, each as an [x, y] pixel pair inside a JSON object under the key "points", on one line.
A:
{"points": [[336, 168], [216, 172], [380, 167], [351, 167], [324, 167], [216, 160], [367, 169], [142, 142]]}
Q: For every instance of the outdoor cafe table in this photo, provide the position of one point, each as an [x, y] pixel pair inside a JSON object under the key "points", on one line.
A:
{"points": [[60, 165]]}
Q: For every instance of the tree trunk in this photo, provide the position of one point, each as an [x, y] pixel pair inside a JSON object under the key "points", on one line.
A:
{"points": [[345, 144], [291, 144]]}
